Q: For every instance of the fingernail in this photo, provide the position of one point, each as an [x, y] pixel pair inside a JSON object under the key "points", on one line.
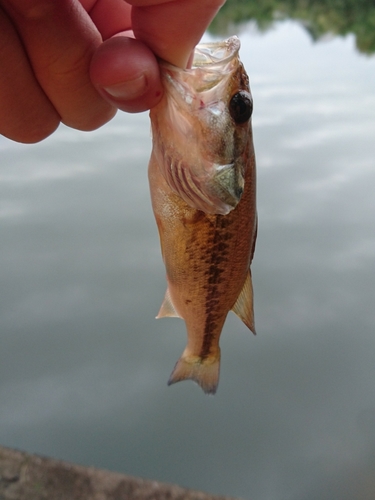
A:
{"points": [[128, 90]]}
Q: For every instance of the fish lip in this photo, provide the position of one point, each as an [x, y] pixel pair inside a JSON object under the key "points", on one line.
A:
{"points": [[213, 53], [210, 54], [212, 64]]}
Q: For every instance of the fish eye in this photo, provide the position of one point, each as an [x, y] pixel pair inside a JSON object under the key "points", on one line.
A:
{"points": [[241, 107]]}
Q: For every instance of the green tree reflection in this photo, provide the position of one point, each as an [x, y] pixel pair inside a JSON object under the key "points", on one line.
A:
{"points": [[319, 17]]}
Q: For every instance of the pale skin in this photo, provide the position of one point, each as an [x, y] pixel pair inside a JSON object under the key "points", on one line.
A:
{"points": [[79, 61]]}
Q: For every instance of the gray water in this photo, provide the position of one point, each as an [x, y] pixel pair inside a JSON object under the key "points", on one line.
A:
{"points": [[83, 362]]}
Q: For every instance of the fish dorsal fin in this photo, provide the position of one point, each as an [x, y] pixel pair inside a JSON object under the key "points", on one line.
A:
{"points": [[244, 304], [167, 309]]}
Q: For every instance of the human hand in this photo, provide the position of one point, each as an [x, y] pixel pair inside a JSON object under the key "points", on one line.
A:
{"points": [[77, 61]]}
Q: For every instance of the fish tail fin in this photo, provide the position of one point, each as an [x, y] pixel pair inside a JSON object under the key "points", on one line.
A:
{"points": [[204, 371]]}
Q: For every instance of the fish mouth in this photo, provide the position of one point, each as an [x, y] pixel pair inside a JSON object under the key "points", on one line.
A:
{"points": [[212, 63]]}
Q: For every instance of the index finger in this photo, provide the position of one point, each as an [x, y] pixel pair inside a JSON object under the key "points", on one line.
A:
{"points": [[172, 28], [60, 39]]}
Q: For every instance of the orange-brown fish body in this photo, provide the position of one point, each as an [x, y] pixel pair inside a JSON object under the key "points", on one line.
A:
{"points": [[207, 256]]}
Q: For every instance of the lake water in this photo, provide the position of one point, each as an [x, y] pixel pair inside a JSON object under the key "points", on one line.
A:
{"points": [[83, 362]]}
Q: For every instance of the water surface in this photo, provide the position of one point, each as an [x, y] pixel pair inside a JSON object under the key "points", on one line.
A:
{"points": [[83, 362]]}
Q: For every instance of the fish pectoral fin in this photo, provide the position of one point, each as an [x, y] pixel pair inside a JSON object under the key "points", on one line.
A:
{"points": [[244, 305], [167, 309]]}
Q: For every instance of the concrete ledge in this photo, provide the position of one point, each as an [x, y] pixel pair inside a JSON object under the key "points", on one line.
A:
{"points": [[30, 477]]}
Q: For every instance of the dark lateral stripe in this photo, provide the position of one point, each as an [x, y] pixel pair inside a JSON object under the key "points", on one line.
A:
{"points": [[218, 258]]}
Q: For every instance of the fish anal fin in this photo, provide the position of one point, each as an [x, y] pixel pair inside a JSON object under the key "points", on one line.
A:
{"points": [[167, 309], [205, 372], [244, 305]]}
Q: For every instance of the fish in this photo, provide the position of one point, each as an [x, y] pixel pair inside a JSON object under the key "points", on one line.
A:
{"points": [[202, 179]]}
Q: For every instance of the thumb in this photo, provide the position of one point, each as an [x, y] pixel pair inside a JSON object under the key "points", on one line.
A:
{"points": [[126, 73], [173, 28]]}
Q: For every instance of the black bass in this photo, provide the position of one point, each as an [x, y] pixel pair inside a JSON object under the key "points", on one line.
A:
{"points": [[202, 183]]}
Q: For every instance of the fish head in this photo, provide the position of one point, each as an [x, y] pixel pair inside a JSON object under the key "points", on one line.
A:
{"points": [[202, 127]]}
